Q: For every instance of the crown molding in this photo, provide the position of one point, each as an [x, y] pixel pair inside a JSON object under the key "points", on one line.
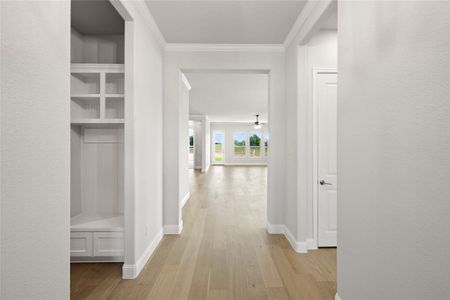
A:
{"points": [[144, 10], [225, 47], [131, 10], [186, 82], [308, 20], [301, 19]]}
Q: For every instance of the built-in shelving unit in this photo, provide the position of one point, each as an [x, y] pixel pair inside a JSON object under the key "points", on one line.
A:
{"points": [[97, 104], [97, 123], [97, 94]]}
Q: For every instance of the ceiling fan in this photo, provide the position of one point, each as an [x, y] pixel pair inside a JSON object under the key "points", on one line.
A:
{"points": [[258, 125]]}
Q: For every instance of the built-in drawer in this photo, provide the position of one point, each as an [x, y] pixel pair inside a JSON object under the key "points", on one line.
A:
{"points": [[81, 244], [108, 244]]}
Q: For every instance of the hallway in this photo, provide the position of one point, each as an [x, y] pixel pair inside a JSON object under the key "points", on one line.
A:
{"points": [[224, 252]]}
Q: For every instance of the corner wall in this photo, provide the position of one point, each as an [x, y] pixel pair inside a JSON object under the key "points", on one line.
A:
{"points": [[35, 149], [206, 144], [299, 64], [143, 138], [394, 150], [319, 53], [183, 142]]}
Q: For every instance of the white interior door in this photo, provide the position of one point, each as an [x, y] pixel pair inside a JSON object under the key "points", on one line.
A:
{"points": [[327, 156]]}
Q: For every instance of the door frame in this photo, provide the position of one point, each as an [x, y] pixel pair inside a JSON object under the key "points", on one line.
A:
{"points": [[315, 148], [193, 145], [213, 147]]}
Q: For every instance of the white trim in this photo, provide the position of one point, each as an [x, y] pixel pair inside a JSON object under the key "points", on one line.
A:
{"points": [[311, 244], [225, 47], [144, 11], [206, 169], [299, 247], [245, 164], [275, 228], [128, 11], [186, 81], [301, 19], [131, 271], [97, 68], [173, 229], [337, 297], [315, 158], [309, 21], [121, 9], [185, 199]]}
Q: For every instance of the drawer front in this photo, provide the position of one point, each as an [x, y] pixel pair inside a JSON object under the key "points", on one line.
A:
{"points": [[108, 244], [81, 244]]}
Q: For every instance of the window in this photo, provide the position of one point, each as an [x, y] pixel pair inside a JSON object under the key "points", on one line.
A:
{"points": [[239, 144], [219, 138], [255, 144], [266, 144]]}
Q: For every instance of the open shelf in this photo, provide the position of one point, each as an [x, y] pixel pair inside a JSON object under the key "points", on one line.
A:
{"points": [[97, 94], [114, 108], [85, 107], [87, 222], [114, 83], [97, 121], [85, 83]]}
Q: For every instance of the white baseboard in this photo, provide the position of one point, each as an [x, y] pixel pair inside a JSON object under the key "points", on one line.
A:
{"points": [[206, 169], [275, 228], [173, 229], [311, 244], [131, 271], [299, 247], [185, 199], [337, 297], [245, 164]]}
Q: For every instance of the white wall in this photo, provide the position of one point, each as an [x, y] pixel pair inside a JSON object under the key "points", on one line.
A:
{"points": [[143, 139], [319, 51], [184, 138], [393, 150], [35, 149], [298, 169], [197, 144], [229, 129], [271, 61], [96, 171], [206, 144]]}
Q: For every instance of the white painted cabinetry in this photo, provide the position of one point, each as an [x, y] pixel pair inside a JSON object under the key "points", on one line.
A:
{"points": [[97, 162]]}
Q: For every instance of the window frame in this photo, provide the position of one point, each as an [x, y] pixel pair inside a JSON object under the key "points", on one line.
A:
{"points": [[214, 147], [246, 138]]}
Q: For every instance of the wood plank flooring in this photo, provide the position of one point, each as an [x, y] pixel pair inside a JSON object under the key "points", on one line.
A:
{"points": [[224, 252]]}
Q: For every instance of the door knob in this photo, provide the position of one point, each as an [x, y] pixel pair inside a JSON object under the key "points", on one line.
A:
{"points": [[323, 182]]}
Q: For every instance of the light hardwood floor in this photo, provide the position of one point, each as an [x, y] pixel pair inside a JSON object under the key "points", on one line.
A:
{"points": [[224, 252]]}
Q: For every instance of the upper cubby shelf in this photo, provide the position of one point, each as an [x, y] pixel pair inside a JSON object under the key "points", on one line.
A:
{"points": [[97, 94]]}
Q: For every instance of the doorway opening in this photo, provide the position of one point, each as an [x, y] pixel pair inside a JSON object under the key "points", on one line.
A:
{"points": [[226, 103]]}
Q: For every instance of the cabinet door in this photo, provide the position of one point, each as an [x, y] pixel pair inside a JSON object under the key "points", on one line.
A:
{"points": [[81, 244], [108, 244]]}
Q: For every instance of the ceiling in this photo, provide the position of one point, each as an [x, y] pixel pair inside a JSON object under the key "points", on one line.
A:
{"points": [[229, 97], [225, 22], [95, 17]]}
